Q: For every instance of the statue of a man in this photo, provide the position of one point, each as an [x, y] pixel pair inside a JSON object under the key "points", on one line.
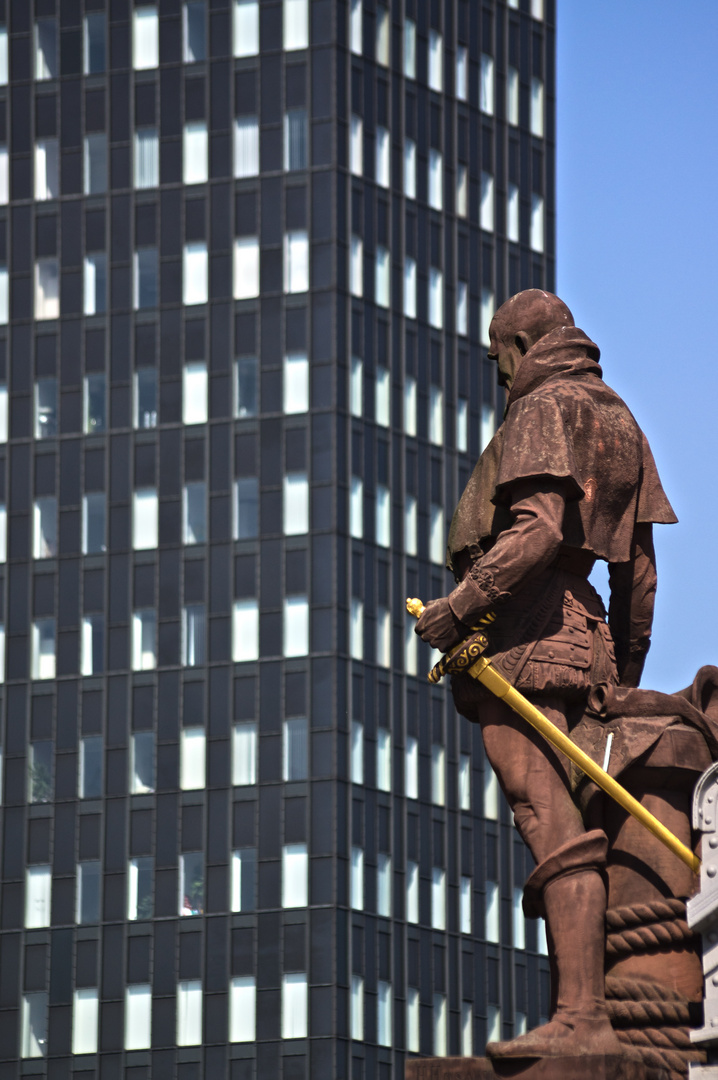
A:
{"points": [[567, 479]]}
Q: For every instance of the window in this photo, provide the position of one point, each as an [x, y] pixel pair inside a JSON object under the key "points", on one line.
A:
{"points": [[147, 158], [40, 775], [90, 771], [144, 519], [3, 412], [356, 1008], [144, 633], [244, 754], [45, 528], [410, 168], [356, 387], [439, 1025], [146, 397], [383, 759], [537, 223], [356, 758], [145, 38], [411, 768], [383, 30], [145, 278], [3, 295], [246, 508], [34, 1025], [38, 885], [195, 153], [465, 906], [383, 637], [436, 180], [3, 55], [462, 308], [409, 287], [296, 262], [296, 749], [383, 516], [296, 383], [95, 287], [296, 24], [462, 191], [356, 146], [296, 504], [512, 96], [356, 267], [436, 415], [192, 758], [47, 289], [194, 389], [383, 1013], [4, 175], [462, 73], [537, 107], [194, 513], [93, 523], [409, 49], [245, 633], [491, 794], [464, 782], [295, 140], [356, 879], [537, 9], [139, 889], [436, 298], [487, 202], [88, 892], [246, 267], [518, 921], [381, 396], [246, 386], [410, 646], [438, 775], [438, 898], [95, 407], [242, 1009], [383, 886], [437, 546], [541, 939], [46, 65], [245, 33], [382, 278], [356, 508], [138, 1016], [410, 405], [193, 635], [512, 213], [194, 38], [94, 44], [491, 924], [356, 629], [486, 84], [467, 1021], [191, 884], [47, 184], [95, 163], [189, 1013], [296, 626], [142, 762], [487, 314], [356, 28], [246, 146], [244, 879], [412, 892], [295, 876], [412, 1020], [436, 61], [383, 157], [93, 645], [3, 532], [294, 1006], [43, 649]]}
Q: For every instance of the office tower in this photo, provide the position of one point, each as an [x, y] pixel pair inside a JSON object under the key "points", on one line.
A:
{"points": [[248, 255]]}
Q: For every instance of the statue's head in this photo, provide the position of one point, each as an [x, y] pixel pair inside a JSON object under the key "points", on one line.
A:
{"points": [[519, 323]]}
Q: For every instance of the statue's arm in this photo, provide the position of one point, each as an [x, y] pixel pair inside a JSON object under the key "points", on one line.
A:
{"points": [[630, 613]]}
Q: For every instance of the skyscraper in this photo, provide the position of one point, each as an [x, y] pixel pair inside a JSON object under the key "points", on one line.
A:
{"points": [[248, 256]]}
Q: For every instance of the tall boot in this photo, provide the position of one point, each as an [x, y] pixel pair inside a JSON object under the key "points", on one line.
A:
{"points": [[568, 888]]}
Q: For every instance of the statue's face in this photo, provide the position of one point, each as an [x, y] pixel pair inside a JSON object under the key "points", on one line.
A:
{"points": [[505, 350]]}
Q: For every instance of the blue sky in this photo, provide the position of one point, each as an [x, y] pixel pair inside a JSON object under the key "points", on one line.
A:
{"points": [[638, 265]]}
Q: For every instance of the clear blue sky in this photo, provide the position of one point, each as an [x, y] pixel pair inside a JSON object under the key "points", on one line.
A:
{"points": [[637, 263]]}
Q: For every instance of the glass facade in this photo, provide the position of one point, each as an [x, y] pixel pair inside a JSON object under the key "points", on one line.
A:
{"points": [[248, 255]]}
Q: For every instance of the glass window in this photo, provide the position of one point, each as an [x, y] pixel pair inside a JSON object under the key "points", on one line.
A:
{"points": [[491, 926], [438, 898], [382, 412], [189, 1013], [356, 508], [95, 163], [383, 759], [296, 383], [512, 96], [38, 887], [437, 544], [145, 278], [142, 762], [383, 516], [537, 107], [242, 1009], [383, 30], [45, 528], [439, 1025], [88, 892], [356, 27], [462, 73], [246, 267], [410, 646], [356, 267], [245, 33], [409, 49], [296, 504], [47, 289], [294, 1006], [409, 287], [140, 889], [95, 407], [382, 278], [146, 397], [356, 146], [383, 157], [194, 506], [4, 175], [3, 412], [537, 223], [296, 626], [144, 633], [3, 532], [412, 1020], [410, 168], [537, 9], [296, 24], [94, 43], [295, 140], [43, 649], [436, 61], [487, 314], [138, 1016], [191, 884], [46, 65], [246, 386], [462, 308], [296, 262], [411, 768], [145, 38], [357, 753], [462, 425], [462, 191], [193, 635], [412, 892], [436, 415], [486, 84], [147, 158], [144, 519], [93, 523], [84, 1021], [194, 389], [95, 285], [244, 879], [244, 754], [356, 629], [3, 55], [383, 1013], [296, 748], [488, 424], [193, 742], [512, 213], [4, 280], [438, 775], [356, 389], [92, 661], [195, 152], [40, 772], [246, 525], [436, 298], [246, 146], [245, 631], [467, 1021], [90, 772], [464, 782], [517, 920], [295, 876], [356, 879], [383, 886], [194, 38], [356, 1008], [47, 183], [487, 202], [34, 1025], [436, 179], [383, 637]]}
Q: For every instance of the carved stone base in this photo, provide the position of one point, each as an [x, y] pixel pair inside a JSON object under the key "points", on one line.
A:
{"points": [[597, 1067]]}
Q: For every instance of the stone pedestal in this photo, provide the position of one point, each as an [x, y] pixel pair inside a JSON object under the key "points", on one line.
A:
{"points": [[597, 1067]]}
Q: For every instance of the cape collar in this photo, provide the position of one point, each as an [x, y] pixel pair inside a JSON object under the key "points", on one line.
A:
{"points": [[563, 351]]}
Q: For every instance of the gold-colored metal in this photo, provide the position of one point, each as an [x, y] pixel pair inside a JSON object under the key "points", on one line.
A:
{"points": [[494, 681]]}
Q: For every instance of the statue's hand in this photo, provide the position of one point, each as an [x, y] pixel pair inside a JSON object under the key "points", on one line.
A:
{"points": [[439, 626]]}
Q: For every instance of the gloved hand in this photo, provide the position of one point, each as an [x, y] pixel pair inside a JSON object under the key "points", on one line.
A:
{"points": [[440, 627]]}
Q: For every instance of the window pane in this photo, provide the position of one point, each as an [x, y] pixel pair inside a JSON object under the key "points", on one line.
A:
{"points": [[246, 28], [296, 626], [95, 299], [438, 775], [411, 768], [296, 383], [462, 65], [140, 889], [383, 637], [46, 66], [194, 32], [440, 1025], [518, 921], [246, 267], [357, 753], [247, 508], [409, 49], [146, 397], [436, 179], [34, 1025], [296, 262], [4, 176], [46, 169], [295, 875], [191, 893], [194, 388], [145, 278], [383, 886], [189, 1013], [356, 391], [143, 640], [192, 758], [296, 748], [242, 1009], [355, 27], [537, 223], [38, 885], [294, 1006], [295, 139], [412, 1020], [383, 29], [296, 24], [536, 107], [383, 155], [436, 61], [244, 879], [45, 528], [193, 635], [512, 213], [244, 754], [410, 287], [93, 645], [90, 767], [464, 782], [382, 282], [462, 191], [47, 289], [356, 879], [3, 55], [95, 403], [84, 1021], [410, 168], [487, 314], [356, 146], [356, 629], [246, 146], [487, 202], [491, 927], [246, 386], [383, 516], [512, 96], [486, 84], [245, 632], [88, 892], [43, 651], [356, 508], [437, 535], [93, 523], [382, 412], [138, 1017], [195, 513], [147, 158], [142, 762], [94, 44], [412, 892], [383, 759], [383, 1009], [195, 153], [95, 163], [145, 38], [144, 519], [436, 415], [4, 281], [462, 308], [438, 898], [195, 275], [436, 298], [296, 504], [356, 267]]}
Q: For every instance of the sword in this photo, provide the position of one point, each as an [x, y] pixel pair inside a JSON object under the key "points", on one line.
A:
{"points": [[467, 657]]}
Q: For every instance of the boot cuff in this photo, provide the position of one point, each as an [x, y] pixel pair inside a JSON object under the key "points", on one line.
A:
{"points": [[587, 852]]}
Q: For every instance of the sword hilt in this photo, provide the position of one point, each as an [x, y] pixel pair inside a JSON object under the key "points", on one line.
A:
{"points": [[416, 608]]}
